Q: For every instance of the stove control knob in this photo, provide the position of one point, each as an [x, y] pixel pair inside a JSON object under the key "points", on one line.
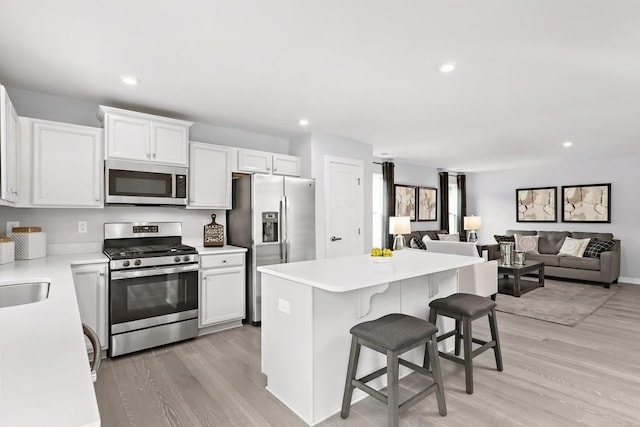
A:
{"points": [[126, 263], [137, 262], [177, 259], [186, 258]]}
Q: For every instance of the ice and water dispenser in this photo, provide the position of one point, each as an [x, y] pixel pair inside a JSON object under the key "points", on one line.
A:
{"points": [[269, 227]]}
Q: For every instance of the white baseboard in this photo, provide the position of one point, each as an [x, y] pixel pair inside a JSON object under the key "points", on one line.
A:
{"points": [[632, 280]]}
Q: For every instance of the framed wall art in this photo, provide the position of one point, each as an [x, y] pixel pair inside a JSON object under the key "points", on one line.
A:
{"points": [[536, 204], [586, 203], [427, 204], [406, 201]]}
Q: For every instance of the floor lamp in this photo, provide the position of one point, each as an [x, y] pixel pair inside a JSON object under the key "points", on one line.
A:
{"points": [[399, 225]]}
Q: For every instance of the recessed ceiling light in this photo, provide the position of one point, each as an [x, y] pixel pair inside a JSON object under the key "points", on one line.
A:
{"points": [[567, 144], [303, 122], [447, 67], [130, 80]]}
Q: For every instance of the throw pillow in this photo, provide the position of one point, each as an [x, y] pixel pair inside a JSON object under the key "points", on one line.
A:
{"points": [[454, 237], [417, 244], [499, 238], [526, 243], [596, 247], [573, 247], [426, 237]]}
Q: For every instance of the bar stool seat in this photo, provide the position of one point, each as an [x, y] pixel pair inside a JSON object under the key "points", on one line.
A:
{"points": [[393, 335], [465, 308]]}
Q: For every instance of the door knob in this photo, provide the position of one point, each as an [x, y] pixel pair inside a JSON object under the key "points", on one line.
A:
{"points": [[335, 239]]}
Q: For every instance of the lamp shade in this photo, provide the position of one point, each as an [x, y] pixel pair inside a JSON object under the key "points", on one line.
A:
{"points": [[399, 225], [472, 223]]}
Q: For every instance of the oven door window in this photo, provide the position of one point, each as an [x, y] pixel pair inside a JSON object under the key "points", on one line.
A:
{"points": [[143, 297], [134, 183]]}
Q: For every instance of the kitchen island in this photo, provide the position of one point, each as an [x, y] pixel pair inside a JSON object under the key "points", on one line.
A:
{"points": [[308, 308]]}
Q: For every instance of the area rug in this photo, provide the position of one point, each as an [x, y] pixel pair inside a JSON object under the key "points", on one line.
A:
{"points": [[566, 303]]}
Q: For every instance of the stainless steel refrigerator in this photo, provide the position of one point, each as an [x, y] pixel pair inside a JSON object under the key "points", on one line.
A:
{"points": [[274, 218]]}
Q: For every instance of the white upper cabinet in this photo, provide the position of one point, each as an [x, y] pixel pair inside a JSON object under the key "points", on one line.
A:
{"points": [[209, 176], [8, 150], [286, 165], [263, 162], [67, 168], [144, 137]]}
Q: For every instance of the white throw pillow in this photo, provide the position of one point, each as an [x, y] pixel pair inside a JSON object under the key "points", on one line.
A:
{"points": [[574, 247], [527, 243], [454, 237]]}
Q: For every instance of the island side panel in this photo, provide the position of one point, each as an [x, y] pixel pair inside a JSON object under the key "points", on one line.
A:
{"points": [[335, 313], [287, 358]]}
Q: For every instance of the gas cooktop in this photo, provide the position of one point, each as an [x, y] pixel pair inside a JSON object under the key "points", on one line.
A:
{"points": [[148, 251]]}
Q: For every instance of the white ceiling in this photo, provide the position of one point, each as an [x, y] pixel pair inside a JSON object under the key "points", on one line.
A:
{"points": [[531, 73]]}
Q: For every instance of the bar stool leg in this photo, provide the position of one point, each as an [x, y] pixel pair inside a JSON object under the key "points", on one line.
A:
{"points": [[468, 357], [433, 315], [437, 374], [458, 338], [351, 375], [392, 387], [493, 324]]}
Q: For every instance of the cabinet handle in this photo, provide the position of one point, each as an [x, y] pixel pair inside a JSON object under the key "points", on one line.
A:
{"points": [[153, 155], [275, 169], [102, 273], [148, 155], [224, 261], [268, 169]]}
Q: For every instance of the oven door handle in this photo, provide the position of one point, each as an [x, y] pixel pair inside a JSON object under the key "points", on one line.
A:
{"points": [[128, 274]]}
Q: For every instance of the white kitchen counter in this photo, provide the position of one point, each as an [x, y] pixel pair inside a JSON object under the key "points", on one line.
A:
{"points": [[308, 308], [45, 378], [361, 271]]}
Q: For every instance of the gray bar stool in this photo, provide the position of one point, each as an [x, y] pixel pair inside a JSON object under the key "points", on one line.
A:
{"points": [[465, 308], [393, 335]]}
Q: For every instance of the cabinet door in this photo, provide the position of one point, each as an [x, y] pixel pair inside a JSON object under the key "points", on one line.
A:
{"points": [[254, 161], [8, 149], [90, 282], [286, 165], [67, 165], [221, 295], [209, 176], [127, 138], [169, 143]]}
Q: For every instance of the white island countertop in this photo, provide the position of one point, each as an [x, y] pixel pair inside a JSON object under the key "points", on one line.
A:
{"points": [[361, 271], [45, 378]]}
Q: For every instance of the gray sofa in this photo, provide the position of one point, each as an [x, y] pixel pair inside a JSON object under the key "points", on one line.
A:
{"points": [[605, 269]]}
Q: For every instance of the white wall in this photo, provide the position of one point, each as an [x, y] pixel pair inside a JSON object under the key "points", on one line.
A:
{"points": [[313, 149], [61, 225], [492, 196]]}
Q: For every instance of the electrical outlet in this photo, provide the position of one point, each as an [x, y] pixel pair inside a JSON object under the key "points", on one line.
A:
{"points": [[283, 305], [11, 224], [82, 226]]}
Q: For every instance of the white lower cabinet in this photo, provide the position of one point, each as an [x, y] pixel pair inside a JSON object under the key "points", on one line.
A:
{"points": [[90, 281], [222, 289]]}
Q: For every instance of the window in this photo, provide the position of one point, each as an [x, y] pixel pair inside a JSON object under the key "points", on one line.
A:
{"points": [[377, 209], [453, 204]]}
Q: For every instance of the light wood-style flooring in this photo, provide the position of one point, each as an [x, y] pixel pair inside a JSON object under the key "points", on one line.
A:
{"points": [[554, 376]]}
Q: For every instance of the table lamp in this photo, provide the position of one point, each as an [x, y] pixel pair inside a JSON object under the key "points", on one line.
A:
{"points": [[471, 224], [399, 225]]}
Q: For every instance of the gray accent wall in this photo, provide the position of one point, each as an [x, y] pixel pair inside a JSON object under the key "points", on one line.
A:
{"points": [[492, 196]]}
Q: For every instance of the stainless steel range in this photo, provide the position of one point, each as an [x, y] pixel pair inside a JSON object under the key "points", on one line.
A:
{"points": [[153, 285]]}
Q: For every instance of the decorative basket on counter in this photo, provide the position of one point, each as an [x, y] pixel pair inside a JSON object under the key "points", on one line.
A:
{"points": [[30, 242], [7, 250], [213, 234]]}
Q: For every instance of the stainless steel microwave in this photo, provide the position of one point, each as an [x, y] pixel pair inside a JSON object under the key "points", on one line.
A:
{"points": [[137, 183]]}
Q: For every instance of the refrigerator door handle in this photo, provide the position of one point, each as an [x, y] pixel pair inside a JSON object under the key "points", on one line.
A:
{"points": [[281, 230], [285, 227]]}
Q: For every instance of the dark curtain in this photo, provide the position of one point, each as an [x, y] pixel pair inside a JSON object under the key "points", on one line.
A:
{"points": [[462, 204], [444, 201], [389, 202]]}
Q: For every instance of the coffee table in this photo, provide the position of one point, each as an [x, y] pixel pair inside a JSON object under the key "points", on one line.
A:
{"points": [[515, 285]]}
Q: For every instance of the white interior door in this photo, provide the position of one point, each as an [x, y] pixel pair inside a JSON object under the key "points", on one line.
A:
{"points": [[344, 195]]}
